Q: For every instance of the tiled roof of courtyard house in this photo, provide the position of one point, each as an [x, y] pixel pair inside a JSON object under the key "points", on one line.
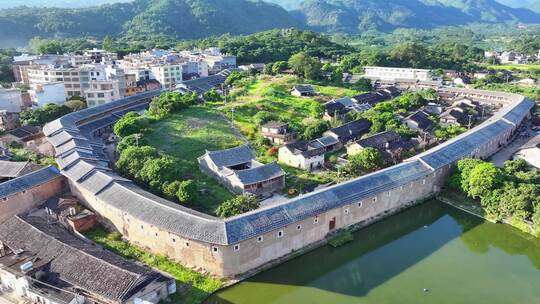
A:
{"points": [[28, 181], [71, 263], [231, 157], [9, 169], [259, 174], [306, 148], [351, 130], [304, 88], [378, 140], [421, 118]]}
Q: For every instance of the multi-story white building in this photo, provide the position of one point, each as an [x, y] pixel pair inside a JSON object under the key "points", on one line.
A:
{"points": [[44, 93], [101, 92], [68, 75], [392, 74], [169, 75], [10, 100]]}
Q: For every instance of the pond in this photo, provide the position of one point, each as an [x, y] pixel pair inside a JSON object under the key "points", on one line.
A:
{"points": [[432, 253]]}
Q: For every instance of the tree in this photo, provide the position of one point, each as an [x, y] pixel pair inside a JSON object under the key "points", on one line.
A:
{"points": [[237, 205], [75, 105], [212, 96], [483, 178], [136, 140], [367, 160], [363, 85], [170, 102], [279, 66], [305, 66], [465, 167], [511, 167], [157, 171], [235, 77], [129, 124], [315, 129], [263, 117], [41, 116], [132, 160], [109, 44], [182, 191]]}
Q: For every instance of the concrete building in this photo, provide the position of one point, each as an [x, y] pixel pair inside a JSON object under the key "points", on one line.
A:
{"points": [[168, 75], [238, 170], [44, 93], [230, 247], [393, 74], [101, 92], [10, 100], [306, 155], [277, 132], [41, 262]]}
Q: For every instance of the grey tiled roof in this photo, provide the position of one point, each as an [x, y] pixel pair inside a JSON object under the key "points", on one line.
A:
{"points": [[263, 220], [75, 264], [9, 169], [124, 195], [259, 174], [231, 157], [28, 181]]}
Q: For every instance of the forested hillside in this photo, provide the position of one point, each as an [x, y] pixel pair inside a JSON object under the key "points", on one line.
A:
{"points": [[176, 18]]}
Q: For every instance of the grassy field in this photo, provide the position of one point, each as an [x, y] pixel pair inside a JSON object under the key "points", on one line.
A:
{"points": [[517, 67], [192, 287], [186, 136]]}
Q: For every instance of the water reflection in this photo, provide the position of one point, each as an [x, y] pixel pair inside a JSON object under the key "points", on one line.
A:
{"points": [[390, 256]]}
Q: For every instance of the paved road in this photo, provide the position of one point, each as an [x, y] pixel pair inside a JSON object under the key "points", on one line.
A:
{"points": [[528, 139]]}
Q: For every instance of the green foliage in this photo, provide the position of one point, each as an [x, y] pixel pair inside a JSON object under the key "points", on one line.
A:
{"points": [[363, 85], [237, 205], [235, 77], [263, 117], [315, 129], [279, 66], [75, 105], [170, 102], [132, 160], [305, 66], [341, 239], [131, 123], [182, 191], [212, 96], [158, 171], [449, 132], [41, 116], [502, 193], [367, 160], [136, 140]]}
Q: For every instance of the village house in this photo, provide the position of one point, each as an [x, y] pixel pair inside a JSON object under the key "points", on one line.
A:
{"points": [[277, 132], [335, 111], [70, 213], [237, 169], [21, 135], [350, 131], [41, 262], [303, 90], [10, 170], [419, 121], [306, 155], [453, 116], [390, 144], [433, 108]]}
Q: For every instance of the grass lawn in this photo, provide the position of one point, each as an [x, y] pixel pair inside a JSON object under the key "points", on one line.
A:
{"points": [[186, 136], [192, 287]]}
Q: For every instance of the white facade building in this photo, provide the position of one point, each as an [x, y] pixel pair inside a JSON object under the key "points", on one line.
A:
{"points": [[45, 93], [168, 75], [390, 73], [10, 100], [101, 92]]}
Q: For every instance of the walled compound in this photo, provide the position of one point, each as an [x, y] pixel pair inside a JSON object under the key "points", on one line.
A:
{"points": [[230, 247]]}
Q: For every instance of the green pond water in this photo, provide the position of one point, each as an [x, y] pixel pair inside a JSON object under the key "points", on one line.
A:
{"points": [[458, 258]]}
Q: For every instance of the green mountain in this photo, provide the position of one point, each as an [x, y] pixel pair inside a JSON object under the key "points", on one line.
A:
{"points": [[359, 15], [533, 5], [56, 3], [176, 18]]}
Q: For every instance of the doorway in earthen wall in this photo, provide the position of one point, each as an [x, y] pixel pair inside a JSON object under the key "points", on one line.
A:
{"points": [[332, 224]]}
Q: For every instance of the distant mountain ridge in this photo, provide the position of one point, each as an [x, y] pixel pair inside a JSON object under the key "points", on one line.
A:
{"points": [[56, 3], [359, 15], [187, 19], [176, 18]]}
